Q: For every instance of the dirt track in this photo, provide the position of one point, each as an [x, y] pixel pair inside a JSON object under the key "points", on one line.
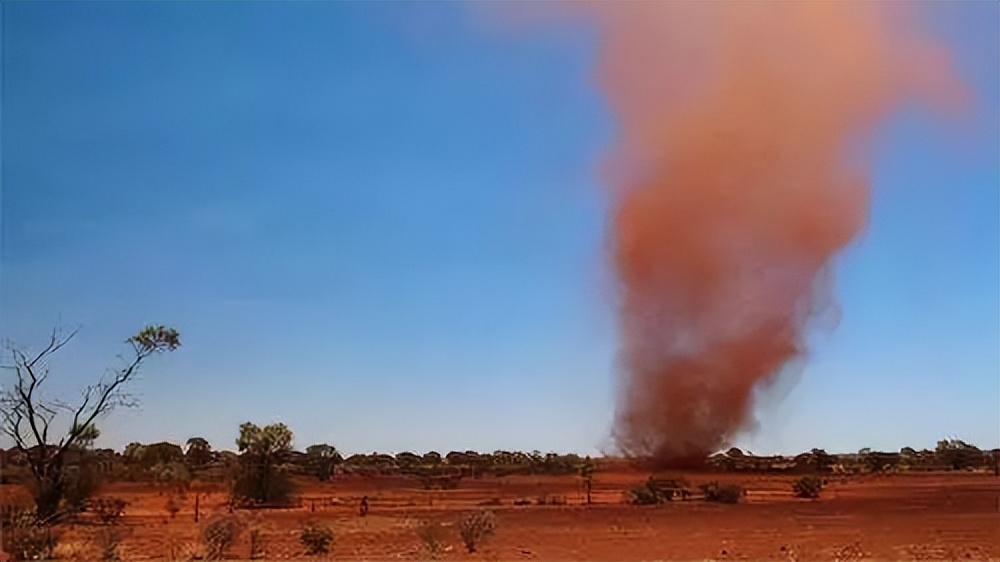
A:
{"points": [[899, 517]]}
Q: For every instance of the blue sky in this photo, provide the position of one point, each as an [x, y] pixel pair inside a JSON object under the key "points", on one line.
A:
{"points": [[380, 224]]}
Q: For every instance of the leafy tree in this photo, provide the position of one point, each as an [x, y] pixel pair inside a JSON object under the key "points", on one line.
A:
{"points": [[28, 415], [199, 452], [958, 454], [162, 453], [133, 452], [407, 460], [322, 458], [262, 452], [86, 435]]}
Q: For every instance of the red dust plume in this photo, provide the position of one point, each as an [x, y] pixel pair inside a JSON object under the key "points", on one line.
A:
{"points": [[738, 175]]}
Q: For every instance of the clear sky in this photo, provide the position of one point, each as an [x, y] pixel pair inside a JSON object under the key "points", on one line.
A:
{"points": [[381, 224]]}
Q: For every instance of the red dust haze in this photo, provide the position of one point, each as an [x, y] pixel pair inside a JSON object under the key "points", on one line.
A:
{"points": [[739, 172], [738, 175]]}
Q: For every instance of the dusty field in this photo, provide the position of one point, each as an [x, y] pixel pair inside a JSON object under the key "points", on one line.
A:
{"points": [[898, 517]]}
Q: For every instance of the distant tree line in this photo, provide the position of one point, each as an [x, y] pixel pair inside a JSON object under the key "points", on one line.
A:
{"points": [[62, 469]]}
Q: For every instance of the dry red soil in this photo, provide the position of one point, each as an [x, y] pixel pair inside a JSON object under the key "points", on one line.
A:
{"points": [[954, 516]]}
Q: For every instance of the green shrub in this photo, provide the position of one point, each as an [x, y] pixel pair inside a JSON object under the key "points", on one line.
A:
{"points": [[316, 538], [722, 493], [260, 484], [475, 528], [658, 490], [807, 487], [643, 495]]}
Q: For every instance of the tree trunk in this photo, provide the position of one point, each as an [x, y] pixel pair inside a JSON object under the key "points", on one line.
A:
{"points": [[48, 496]]}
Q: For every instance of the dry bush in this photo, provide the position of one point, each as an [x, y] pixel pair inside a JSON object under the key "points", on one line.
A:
{"points": [[432, 535], [186, 551], [219, 535], [172, 506], [107, 510], [316, 538], [722, 493], [658, 490], [256, 543], [849, 552], [642, 495], [24, 537], [82, 482], [475, 528], [807, 487], [108, 540], [78, 551]]}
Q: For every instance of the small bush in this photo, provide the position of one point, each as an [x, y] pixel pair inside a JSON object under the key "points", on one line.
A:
{"points": [[316, 538], [722, 493], [25, 538], [807, 487], [74, 550], [432, 535], [256, 544], [220, 534], [658, 490], [475, 528], [250, 485], [108, 540], [173, 505], [107, 510]]}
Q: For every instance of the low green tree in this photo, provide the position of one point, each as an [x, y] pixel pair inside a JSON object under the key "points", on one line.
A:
{"points": [[263, 451], [322, 459]]}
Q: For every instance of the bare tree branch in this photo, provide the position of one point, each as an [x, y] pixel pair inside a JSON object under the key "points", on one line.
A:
{"points": [[24, 405]]}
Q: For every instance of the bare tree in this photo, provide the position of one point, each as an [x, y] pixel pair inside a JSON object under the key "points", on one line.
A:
{"points": [[28, 415]]}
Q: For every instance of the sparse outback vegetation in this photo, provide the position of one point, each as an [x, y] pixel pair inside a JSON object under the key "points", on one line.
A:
{"points": [[29, 413], [219, 535], [27, 538], [431, 534], [475, 528], [722, 493], [108, 510], [807, 487], [261, 477], [316, 538]]}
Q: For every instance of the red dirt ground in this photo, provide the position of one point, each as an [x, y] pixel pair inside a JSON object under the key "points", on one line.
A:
{"points": [[946, 516]]}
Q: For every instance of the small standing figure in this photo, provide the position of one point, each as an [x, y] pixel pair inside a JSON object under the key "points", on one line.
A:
{"points": [[364, 506]]}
